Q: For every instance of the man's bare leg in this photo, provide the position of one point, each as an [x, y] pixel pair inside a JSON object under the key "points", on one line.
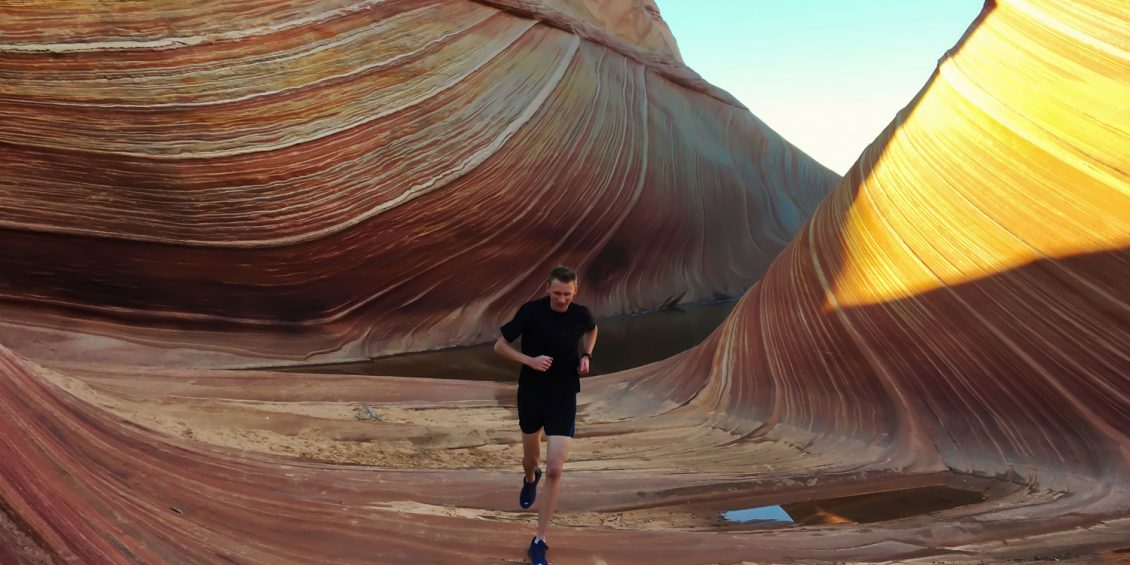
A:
{"points": [[555, 465], [531, 454]]}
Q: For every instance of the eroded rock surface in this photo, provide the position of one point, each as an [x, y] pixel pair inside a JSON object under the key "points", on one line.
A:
{"points": [[241, 184], [953, 314]]}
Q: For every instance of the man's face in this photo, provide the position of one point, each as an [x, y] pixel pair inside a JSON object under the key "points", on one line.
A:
{"points": [[560, 294]]}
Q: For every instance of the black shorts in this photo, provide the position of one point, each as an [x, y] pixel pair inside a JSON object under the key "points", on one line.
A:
{"points": [[552, 408]]}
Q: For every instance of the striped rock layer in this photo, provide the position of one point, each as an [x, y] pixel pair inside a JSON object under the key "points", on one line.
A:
{"points": [[958, 303], [953, 313], [960, 297], [255, 183]]}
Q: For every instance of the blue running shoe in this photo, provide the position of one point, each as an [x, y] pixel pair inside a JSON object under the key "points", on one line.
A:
{"points": [[537, 552], [529, 490]]}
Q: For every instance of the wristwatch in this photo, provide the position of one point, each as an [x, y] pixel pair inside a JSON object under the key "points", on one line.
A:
{"points": [[589, 355]]}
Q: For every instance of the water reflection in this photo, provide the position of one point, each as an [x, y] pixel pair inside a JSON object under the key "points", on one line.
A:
{"points": [[623, 343], [763, 513]]}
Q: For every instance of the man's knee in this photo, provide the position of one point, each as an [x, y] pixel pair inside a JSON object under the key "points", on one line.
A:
{"points": [[554, 470]]}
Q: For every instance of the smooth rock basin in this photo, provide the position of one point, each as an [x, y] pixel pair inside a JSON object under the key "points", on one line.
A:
{"points": [[623, 343], [955, 312]]}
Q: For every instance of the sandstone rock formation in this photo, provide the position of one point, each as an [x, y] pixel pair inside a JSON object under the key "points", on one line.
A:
{"points": [[630, 26], [282, 182], [952, 314]]}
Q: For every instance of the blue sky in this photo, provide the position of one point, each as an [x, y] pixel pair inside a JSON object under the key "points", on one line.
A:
{"points": [[828, 75]]}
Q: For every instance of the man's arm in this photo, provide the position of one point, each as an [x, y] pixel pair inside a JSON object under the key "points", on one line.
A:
{"points": [[540, 363], [588, 341]]}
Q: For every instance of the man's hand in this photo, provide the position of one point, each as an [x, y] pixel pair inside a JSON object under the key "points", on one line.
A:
{"points": [[540, 363], [583, 369]]}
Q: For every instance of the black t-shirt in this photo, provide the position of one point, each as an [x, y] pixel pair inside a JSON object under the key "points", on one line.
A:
{"points": [[556, 334]]}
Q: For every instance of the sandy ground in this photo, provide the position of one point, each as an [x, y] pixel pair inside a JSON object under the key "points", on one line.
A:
{"points": [[405, 435], [386, 464], [478, 434]]}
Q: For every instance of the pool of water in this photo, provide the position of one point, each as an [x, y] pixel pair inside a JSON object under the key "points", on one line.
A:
{"points": [[759, 514], [622, 343], [860, 509]]}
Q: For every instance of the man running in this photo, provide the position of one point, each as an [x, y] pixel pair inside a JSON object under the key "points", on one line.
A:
{"points": [[550, 328]]}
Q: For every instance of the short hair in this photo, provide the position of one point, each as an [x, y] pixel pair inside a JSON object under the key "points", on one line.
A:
{"points": [[563, 274]]}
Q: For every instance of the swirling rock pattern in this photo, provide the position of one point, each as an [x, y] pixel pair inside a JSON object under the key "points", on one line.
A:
{"points": [[277, 182], [952, 314], [957, 303]]}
